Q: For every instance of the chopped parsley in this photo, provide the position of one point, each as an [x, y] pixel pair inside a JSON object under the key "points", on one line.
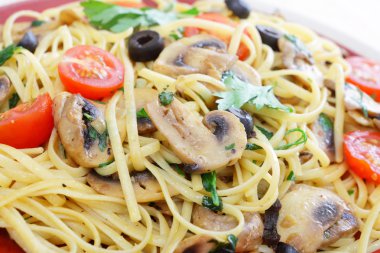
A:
{"points": [[37, 23], [177, 35], [166, 98], [7, 53], [230, 147], [265, 132], [13, 101], [299, 141], [351, 192], [209, 184], [240, 93], [291, 176], [252, 147], [102, 165], [227, 247], [141, 114], [209, 203]]}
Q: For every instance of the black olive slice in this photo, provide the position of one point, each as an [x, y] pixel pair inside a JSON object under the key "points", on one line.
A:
{"points": [[269, 36], [239, 8], [145, 46], [29, 41]]}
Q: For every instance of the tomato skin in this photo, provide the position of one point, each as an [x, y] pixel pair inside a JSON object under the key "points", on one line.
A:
{"points": [[365, 75], [7, 245], [98, 74], [28, 125], [362, 152], [132, 4], [243, 51]]}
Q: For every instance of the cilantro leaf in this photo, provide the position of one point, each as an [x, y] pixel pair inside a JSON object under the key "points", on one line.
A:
{"points": [[227, 247], [252, 147], [240, 93], [209, 183], [141, 114], [118, 19], [265, 132], [7, 53], [351, 192]]}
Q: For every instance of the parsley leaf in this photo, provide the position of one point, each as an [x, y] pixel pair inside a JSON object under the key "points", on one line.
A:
{"points": [[228, 247], [7, 53], [102, 165], [178, 169], [230, 147], [13, 101], [209, 183], [37, 23], [118, 19], [141, 114], [102, 137], [299, 141], [252, 147], [166, 98], [265, 132], [291, 176], [209, 203], [240, 93], [350, 192]]}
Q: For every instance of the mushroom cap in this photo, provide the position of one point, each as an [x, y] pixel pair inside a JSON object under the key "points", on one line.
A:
{"points": [[196, 244], [5, 88], [319, 213], [145, 185], [144, 96], [195, 144], [250, 237], [73, 131]]}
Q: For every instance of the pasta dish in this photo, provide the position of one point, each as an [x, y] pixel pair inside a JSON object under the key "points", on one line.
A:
{"points": [[164, 126]]}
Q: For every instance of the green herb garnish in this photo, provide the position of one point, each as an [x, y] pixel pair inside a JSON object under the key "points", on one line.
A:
{"points": [[88, 116], [252, 147], [37, 23], [265, 132], [7, 53], [102, 165], [141, 114], [239, 93], [299, 141], [178, 169], [230, 147], [166, 98], [228, 247], [209, 183], [102, 137], [350, 192], [291, 176], [190, 12], [13, 101], [209, 203]]}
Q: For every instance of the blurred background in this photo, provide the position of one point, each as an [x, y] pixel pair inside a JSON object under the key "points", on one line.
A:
{"points": [[353, 23]]}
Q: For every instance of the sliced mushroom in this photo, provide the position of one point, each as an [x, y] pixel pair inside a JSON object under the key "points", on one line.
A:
{"points": [[5, 89], [219, 142], [296, 56], [82, 129], [324, 131], [196, 244], [145, 185], [144, 96], [321, 218], [357, 103], [246, 73], [248, 240], [199, 54]]}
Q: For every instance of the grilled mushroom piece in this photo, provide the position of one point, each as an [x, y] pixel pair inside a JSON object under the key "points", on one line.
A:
{"points": [[361, 107], [321, 218], [199, 54], [296, 56], [248, 240], [5, 89], [145, 186], [324, 131], [218, 142], [82, 129], [196, 244]]}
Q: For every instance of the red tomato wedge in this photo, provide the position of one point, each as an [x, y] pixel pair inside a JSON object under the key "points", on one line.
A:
{"points": [[362, 152], [91, 71], [134, 4], [365, 75], [28, 125], [243, 51], [7, 244]]}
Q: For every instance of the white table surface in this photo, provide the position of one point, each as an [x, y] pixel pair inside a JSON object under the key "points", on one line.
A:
{"points": [[354, 23]]}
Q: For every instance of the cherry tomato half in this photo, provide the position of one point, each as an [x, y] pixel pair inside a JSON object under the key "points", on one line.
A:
{"points": [[91, 71], [27, 125], [365, 75], [243, 51], [134, 4], [7, 245], [362, 152]]}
